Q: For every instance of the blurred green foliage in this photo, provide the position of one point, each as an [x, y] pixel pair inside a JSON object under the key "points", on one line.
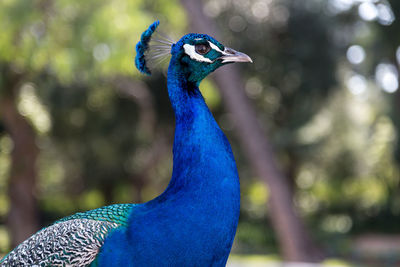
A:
{"points": [[105, 132]]}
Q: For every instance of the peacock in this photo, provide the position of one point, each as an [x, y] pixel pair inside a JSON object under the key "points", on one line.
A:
{"points": [[193, 222]]}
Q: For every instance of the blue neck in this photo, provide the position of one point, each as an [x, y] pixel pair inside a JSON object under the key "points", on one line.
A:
{"points": [[198, 139], [194, 221]]}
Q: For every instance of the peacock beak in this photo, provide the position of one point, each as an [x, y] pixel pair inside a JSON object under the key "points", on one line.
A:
{"points": [[231, 55]]}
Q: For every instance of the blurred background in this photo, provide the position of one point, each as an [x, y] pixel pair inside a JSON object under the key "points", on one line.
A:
{"points": [[313, 123]]}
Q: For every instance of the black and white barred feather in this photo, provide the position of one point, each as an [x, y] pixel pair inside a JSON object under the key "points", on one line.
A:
{"points": [[74, 242]]}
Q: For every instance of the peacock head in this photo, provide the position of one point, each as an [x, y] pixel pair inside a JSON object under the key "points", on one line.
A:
{"points": [[197, 55], [194, 55]]}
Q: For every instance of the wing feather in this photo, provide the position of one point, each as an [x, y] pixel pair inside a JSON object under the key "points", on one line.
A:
{"points": [[71, 241]]}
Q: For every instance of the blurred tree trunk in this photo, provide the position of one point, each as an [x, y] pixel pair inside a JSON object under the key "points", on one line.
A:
{"points": [[140, 94], [295, 242], [22, 218]]}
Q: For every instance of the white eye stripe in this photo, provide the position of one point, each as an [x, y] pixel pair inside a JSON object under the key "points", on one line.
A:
{"points": [[191, 52], [216, 48]]}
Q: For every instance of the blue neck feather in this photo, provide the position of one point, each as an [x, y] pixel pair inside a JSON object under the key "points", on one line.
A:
{"points": [[194, 221], [199, 145]]}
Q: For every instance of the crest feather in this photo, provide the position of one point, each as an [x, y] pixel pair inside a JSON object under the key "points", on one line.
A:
{"points": [[149, 55]]}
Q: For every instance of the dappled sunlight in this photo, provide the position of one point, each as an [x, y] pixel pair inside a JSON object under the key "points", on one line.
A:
{"points": [[258, 194], [255, 200], [368, 11], [260, 10], [320, 126], [253, 87], [355, 54], [252, 12], [29, 105], [357, 84], [101, 52], [237, 24], [337, 223], [385, 14], [306, 202], [387, 77], [362, 133]]}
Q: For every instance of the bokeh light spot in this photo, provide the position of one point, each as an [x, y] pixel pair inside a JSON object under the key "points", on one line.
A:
{"points": [[385, 14], [368, 11], [337, 223], [356, 84], [260, 10], [253, 87], [355, 54], [387, 77], [101, 52], [237, 24]]}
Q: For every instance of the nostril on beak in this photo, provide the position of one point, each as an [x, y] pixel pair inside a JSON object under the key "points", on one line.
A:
{"points": [[230, 51]]}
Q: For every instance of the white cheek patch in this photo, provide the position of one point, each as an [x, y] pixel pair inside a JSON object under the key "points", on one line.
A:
{"points": [[191, 52]]}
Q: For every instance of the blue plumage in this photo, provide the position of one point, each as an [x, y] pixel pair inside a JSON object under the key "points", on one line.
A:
{"points": [[142, 46], [193, 222]]}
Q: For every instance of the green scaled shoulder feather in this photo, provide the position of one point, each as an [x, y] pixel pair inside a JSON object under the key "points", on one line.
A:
{"points": [[117, 213]]}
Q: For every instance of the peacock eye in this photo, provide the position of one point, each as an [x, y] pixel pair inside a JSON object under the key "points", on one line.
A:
{"points": [[202, 48]]}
